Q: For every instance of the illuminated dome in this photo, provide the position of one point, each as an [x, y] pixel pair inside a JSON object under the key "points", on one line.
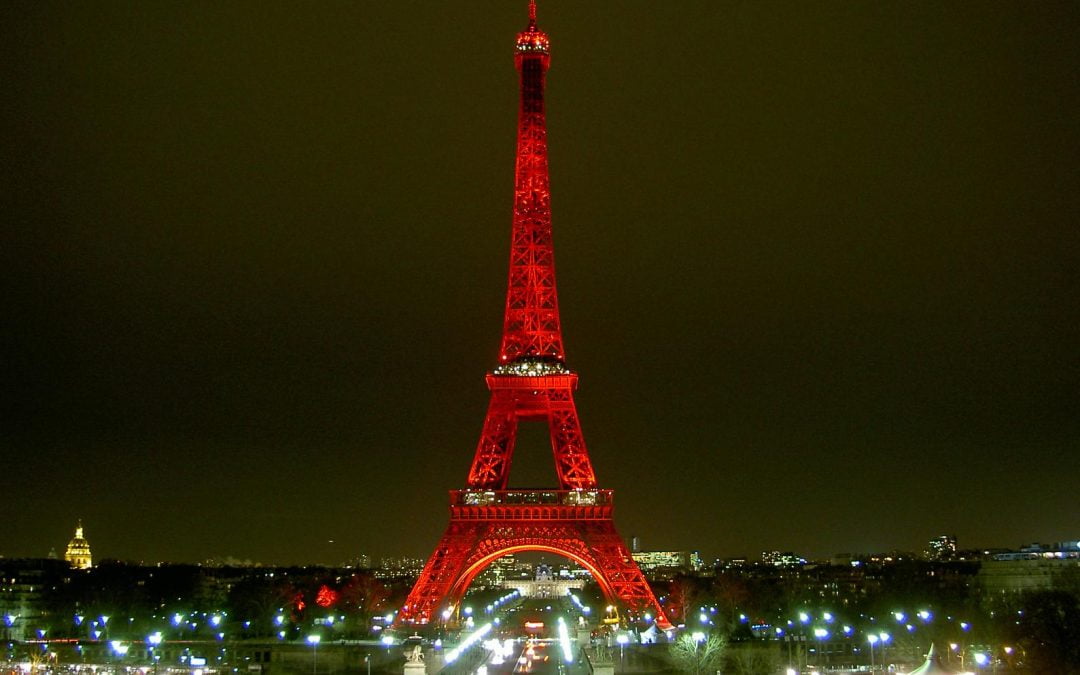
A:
{"points": [[78, 550], [533, 40]]}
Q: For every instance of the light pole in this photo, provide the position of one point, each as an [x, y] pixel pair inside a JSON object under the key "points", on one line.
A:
{"points": [[884, 638], [821, 634], [872, 639], [154, 639], [313, 640], [622, 639]]}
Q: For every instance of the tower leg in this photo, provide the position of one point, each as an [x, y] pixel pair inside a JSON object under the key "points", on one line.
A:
{"points": [[442, 570], [567, 442], [491, 464]]}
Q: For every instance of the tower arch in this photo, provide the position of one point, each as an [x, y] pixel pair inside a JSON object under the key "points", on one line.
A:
{"points": [[461, 586]]}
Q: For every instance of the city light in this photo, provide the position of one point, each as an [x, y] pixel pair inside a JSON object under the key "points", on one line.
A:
{"points": [[467, 643], [564, 641]]}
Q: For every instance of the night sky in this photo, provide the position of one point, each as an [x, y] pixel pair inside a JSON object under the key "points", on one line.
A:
{"points": [[819, 269]]}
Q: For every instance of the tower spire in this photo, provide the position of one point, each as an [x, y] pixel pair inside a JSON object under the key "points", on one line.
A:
{"points": [[531, 327]]}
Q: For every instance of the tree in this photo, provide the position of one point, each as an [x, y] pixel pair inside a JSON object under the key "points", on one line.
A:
{"points": [[753, 660], [1048, 629], [706, 655], [684, 593], [363, 596]]}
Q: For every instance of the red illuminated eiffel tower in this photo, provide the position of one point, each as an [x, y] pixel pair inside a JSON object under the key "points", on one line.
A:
{"points": [[531, 382]]}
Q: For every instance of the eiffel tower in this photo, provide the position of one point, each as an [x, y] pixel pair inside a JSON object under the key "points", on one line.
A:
{"points": [[488, 519]]}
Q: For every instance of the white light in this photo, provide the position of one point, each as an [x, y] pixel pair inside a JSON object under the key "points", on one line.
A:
{"points": [[697, 636], [827, 616], [468, 642], [981, 659], [821, 633], [314, 639], [387, 640], [622, 639], [564, 642]]}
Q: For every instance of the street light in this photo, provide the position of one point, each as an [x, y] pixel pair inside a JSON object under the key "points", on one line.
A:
{"points": [[313, 640], [154, 639], [821, 634], [872, 639]]}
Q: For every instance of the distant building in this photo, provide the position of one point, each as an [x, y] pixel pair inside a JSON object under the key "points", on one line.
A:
{"points": [[665, 564], [500, 570], [1007, 575], [78, 550], [27, 589], [785, 559], [545, 583], [942, 548], [398, 568], [362, 562]]}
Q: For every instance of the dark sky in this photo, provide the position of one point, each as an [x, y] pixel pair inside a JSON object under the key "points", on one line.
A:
{"points": [[818, 267]]}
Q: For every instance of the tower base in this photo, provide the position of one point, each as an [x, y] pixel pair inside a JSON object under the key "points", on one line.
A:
{"points": [[486, 525]]}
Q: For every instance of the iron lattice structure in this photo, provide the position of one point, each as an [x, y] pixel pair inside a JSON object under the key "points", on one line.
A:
{"points": [[531, 382]]}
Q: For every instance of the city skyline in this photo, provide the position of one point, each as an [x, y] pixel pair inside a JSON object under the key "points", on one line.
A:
{"points": [[816, 264], [363, 559]]}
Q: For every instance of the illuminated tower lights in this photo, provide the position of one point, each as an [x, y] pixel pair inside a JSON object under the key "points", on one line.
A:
{"points": [[530, 383]]}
